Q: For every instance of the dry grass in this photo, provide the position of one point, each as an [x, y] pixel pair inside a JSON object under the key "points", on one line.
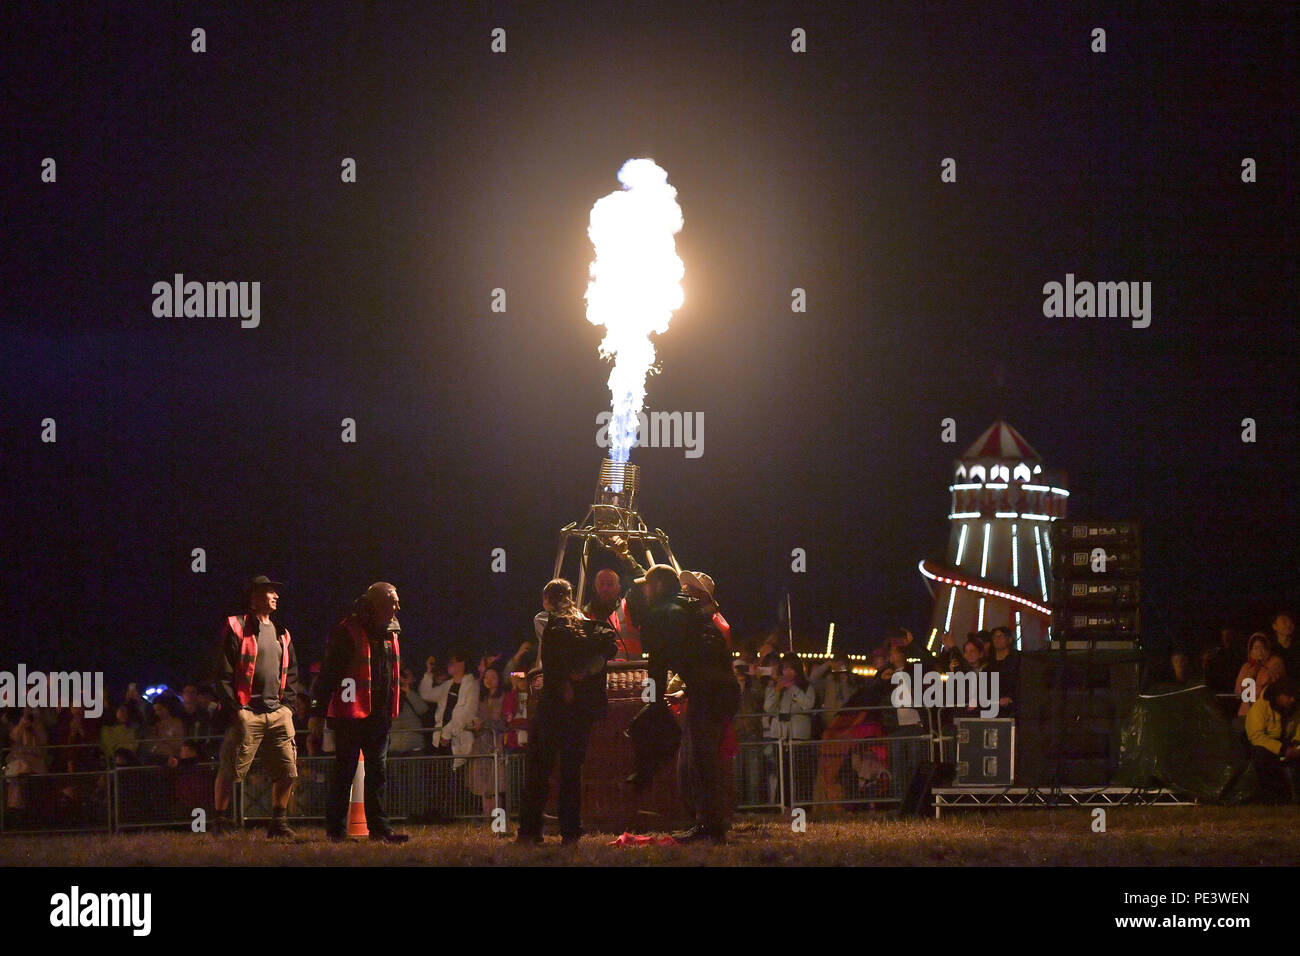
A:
{"points": [[1151, 836]]}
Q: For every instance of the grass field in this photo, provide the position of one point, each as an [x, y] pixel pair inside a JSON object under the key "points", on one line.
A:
{"points": [[1138, 836]]}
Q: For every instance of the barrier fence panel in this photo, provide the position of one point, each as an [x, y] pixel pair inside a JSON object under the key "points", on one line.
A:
{"points": [[56, 802], [432, 788], [162, 796], [864, 758], [861, 771], [757, 769], [309, 796]]}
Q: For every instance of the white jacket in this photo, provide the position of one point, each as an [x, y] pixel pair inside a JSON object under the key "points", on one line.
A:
{"points": [[453, 728], [794, 702]]}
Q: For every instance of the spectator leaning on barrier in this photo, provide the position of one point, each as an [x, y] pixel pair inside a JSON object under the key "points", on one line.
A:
{"points": [[27, 745], [1275, 739], [407, 737], [455, 705], [487, 778], [789, 700], [515, 712], [257, 681], [118, 734], [359, 690], [834, 684], [168, 731]]}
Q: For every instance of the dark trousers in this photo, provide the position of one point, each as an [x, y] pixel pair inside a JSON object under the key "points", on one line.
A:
{"points": [[556, 736], [703, 780], [353, 737], [1275, 775]]}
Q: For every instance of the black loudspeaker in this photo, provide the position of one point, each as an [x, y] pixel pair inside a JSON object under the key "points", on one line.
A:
{"points": [[1098, 595], [1096, 601], [1086, 535], [1076, 563], [929, 774], [1072, 706]]}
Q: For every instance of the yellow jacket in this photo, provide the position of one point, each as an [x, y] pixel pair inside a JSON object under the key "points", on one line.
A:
{"points": [[1264, 727]]}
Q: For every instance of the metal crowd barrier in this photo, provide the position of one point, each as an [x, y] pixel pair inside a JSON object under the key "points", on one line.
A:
{"points": [[770, 774], [780, 773]]}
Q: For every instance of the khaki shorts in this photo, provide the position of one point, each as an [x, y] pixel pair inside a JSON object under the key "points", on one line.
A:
{"points": [[245, 737]]}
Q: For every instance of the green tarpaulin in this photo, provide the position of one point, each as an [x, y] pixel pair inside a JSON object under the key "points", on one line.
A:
{"points": [[1178, 739]]}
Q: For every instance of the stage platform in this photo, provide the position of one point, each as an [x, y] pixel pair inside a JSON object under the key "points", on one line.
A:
{"points": [[997, 798]]}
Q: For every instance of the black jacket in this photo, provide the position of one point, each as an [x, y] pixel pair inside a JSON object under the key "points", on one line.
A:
{"points": [[668, 636], [227, 663], [567, 651]]}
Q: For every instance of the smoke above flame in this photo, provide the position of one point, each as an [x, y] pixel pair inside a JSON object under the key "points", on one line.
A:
{"points": [[635, 286]]}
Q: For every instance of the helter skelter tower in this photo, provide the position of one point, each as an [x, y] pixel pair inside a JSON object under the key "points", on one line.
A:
{"points": [[999, 560]]}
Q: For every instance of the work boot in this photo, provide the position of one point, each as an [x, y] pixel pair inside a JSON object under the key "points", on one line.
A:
{"points": [[221, 824], [690, 835], [279, 825], [389, 837]]}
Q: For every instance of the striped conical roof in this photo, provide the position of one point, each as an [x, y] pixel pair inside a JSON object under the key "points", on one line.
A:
{"points": [[1000, 440]]}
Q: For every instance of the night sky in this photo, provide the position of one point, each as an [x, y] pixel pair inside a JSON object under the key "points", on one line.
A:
{"points": [[476, 430]]}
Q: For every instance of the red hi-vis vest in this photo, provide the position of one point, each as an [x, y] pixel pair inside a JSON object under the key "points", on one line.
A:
{"points": [[723, 626], [248, 659], [629, 635], [359, 671]]}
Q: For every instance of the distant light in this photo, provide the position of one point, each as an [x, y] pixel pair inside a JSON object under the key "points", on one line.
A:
{"points": [[151, 693], [957, 516], [961, 544]]}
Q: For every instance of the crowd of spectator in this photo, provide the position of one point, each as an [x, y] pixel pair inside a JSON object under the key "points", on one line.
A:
{"points": [[1253, 679], [785, 710], [783, 702]]}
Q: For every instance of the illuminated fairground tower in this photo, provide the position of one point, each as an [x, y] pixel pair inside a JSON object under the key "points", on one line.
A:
{"points": [[998, 569]]}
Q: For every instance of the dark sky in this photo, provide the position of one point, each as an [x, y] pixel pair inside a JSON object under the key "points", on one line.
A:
{"points": [[476, 430]]}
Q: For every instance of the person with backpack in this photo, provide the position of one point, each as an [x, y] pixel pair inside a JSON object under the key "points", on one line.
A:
{"points": [[572, 654]]}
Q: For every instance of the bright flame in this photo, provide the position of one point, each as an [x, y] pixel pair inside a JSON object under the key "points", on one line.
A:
{"points": [[635, 286]]}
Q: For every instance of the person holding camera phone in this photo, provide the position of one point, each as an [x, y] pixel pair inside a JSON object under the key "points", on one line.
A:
{"points": [[789, 699]]}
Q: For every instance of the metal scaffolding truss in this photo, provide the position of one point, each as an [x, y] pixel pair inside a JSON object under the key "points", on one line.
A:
{"points": [[982, 798]]}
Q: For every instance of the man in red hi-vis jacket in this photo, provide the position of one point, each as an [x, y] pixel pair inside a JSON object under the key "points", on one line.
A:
{"points": [[257, 682], [360, 691]]}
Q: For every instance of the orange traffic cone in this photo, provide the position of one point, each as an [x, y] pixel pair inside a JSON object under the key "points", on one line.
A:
{"points": [[357, 809]]}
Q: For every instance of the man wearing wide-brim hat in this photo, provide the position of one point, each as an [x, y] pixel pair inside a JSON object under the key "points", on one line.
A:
{"points": [[257, 683]]}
